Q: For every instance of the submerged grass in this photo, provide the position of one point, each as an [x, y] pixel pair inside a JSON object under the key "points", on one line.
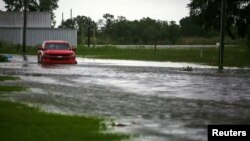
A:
{"points": [[19, 122], [234, 56], [11, 88], [22, 123], [4, 78], [3, 58]]}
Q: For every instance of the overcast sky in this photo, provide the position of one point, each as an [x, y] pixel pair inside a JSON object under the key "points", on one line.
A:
{"points": [[131, 9]]}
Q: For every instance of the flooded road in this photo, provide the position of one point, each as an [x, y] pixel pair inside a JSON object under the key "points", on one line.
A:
{"points": [[156, 100]]}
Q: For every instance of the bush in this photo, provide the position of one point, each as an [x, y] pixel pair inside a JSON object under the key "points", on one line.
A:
{"points": [[248, 40], [8, 48], [3, 58]]}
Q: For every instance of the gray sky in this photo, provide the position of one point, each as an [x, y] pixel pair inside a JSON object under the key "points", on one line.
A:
{"points": [[131, 9]]}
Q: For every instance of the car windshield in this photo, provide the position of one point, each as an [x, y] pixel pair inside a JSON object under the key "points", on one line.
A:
{"points": [[57, 46]]}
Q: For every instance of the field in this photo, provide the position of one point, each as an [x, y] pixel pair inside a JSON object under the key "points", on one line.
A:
{"points": [[234, 56], [237, 56]]}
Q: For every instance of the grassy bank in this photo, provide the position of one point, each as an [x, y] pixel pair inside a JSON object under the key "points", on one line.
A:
{"points": [[19, 122], [207, 41], [10, 88], [4, 78], [234, 56], [15, 49]]}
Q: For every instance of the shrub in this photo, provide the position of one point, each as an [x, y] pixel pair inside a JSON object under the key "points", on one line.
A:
{"points": [[248, 40], [3, 58]]}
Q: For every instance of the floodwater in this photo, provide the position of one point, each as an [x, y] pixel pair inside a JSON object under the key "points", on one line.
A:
{"points": [[156, 100]]}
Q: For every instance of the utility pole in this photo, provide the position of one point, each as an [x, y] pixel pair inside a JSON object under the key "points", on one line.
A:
{"points": [[222, 33], [94, 34], [24, 26], [71, 14], [82, 34], [89, 36], [62, 17]]}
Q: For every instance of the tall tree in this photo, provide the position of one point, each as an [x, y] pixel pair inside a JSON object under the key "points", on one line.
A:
{"points": [[174, 32], [81, 23], [69, 23], [150, 30], [107, 29], [207, 14], [109, 19], [189, 28], [33, 5]]}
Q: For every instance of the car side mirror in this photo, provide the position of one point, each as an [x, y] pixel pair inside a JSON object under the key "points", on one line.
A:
{"points": [[74, 49], [40, 48]]}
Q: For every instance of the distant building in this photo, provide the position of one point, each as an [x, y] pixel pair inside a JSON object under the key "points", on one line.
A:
{"points": [[38, 29], [34, 19]]}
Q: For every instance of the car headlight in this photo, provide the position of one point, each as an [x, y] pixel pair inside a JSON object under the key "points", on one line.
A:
{"points": [[72, 55], [46, 56]]}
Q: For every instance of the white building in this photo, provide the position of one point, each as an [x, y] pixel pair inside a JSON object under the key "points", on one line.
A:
{"points": [[38, 29]]}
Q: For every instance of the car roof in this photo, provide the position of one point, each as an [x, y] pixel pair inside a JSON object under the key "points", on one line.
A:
{"points": [[56, 41]]}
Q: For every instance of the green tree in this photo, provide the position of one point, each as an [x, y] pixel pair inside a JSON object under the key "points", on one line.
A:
{"points": [[207, 14], [107, 29], [173, 32], [69, 23], [248, 39], [149, 31], [109, 19], [13, 5], [121, 30], [164, 32], [81, 23], [189, 28], [32, 5], [144, 31]]}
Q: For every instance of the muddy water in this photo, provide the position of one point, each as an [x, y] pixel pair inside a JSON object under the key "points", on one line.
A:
{"points": [[157, 100]]}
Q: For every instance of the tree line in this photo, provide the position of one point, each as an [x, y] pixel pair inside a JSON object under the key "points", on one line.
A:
{"points": [[110, 30], [203, 21]]}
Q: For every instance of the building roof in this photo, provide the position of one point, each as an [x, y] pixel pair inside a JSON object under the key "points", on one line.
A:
{"points": [[56, 41]]}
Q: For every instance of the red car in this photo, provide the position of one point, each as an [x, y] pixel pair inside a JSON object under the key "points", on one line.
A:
{"points": [[56, 52]]}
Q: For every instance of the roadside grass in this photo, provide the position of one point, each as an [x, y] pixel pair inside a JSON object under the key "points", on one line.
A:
{"points": [[11, 88], [22, 123], [3, 58], [19, 122], [4, 78], [234, 56], [8, 48]]}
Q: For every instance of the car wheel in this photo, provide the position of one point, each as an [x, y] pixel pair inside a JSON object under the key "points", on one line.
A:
{"points": [[38, 59]]}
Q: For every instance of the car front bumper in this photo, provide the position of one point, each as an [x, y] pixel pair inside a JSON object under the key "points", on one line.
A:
{"points": [[52, 61]]}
